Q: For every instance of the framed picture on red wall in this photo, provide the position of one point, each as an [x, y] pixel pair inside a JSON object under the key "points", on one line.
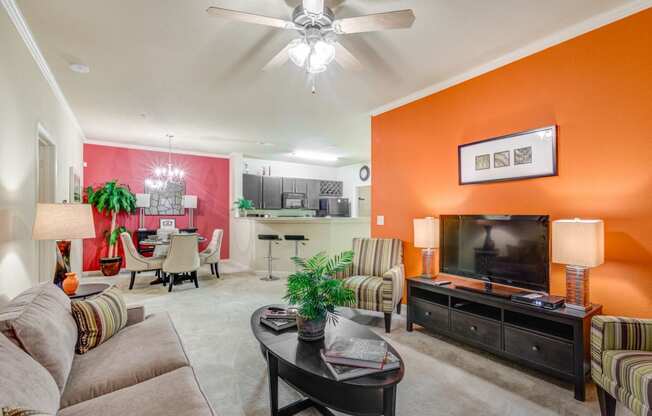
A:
{"points": [[523, 155], [167, 223]]}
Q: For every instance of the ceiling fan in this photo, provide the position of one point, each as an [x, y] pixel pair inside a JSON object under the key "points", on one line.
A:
{"points": [[319, 28]]}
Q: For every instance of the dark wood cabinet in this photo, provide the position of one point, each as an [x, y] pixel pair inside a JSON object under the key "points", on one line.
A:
{"points": [[313, 193], [289, 184], [252, 188], [272, 195], [552, 341], [301, 186]]}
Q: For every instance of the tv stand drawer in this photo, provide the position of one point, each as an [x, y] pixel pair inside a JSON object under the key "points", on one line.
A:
{"points": [[429, 314], [480, 330], [542, 350]]}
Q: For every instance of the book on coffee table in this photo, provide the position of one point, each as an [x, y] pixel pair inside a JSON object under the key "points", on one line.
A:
{"points": [[279, 313], [346, 372], [356, 352], [278, 324]]}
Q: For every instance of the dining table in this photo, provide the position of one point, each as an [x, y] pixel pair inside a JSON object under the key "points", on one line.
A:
{"points": [[164, 245]]}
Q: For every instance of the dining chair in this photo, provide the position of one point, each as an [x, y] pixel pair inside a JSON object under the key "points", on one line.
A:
{"points": [[182, 261], [135, 262], [161, 250], [211, 254]]}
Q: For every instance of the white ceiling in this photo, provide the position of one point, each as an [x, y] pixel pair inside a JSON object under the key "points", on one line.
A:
{"points": [[166, 66]]}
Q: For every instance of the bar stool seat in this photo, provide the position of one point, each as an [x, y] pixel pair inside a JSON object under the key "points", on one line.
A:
{"points": [[270, 238], [298, 239]]}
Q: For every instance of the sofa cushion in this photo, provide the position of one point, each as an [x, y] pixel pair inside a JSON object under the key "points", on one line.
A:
{"points": [[135, 354], [99, 318], [39, 321], [24, 382], [176, 393]]}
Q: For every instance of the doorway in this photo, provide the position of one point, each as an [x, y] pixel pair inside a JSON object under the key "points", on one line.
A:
{"points": [[363, 198], [46, 179]]}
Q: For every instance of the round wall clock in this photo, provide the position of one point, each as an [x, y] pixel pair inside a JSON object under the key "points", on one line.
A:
{"points": [[364, 173]]}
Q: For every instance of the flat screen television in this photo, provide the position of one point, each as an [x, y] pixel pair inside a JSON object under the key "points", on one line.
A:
{"points": [[506, 249]]}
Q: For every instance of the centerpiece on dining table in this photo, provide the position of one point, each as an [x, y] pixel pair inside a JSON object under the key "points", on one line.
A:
{"points": [[315, 291]]}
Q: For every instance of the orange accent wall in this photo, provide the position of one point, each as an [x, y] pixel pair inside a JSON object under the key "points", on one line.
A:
{"points": [[598, 89]]}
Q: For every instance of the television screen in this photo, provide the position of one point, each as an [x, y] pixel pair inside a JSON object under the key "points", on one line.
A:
{"points": [[507, 249]]}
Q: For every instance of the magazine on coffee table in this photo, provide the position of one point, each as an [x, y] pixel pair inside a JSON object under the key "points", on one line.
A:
{"points": [[356, 352]]}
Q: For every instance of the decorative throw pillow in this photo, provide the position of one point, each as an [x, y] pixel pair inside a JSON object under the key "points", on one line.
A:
{"points": [[99, 318], [19, 411]]}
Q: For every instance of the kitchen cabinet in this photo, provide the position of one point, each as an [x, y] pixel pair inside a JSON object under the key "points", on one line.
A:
{"points": [[289, 184], [272, 192], [313, 193], [252, 188], [301, 186]]}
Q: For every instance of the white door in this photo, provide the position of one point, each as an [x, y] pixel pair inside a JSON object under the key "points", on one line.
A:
{"points": [[364, 201], [45, 193]]}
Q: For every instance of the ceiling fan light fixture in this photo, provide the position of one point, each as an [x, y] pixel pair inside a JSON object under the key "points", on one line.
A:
{"points": [[321, 55], [299, 52]]}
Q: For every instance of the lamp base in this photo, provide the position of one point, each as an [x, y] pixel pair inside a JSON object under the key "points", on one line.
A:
{"points": [[577, 288], [427, 255], [63, 262]]}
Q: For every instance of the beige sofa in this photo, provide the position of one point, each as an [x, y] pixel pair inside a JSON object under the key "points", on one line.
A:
{"points": [[143, 370]]}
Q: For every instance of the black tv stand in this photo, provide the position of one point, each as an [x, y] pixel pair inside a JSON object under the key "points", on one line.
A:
{"points": [[553, 341]]}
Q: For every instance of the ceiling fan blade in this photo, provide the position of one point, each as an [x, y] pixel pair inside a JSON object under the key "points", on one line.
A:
{"points": [[251, 18], [279, 59], [313, 6], [346, 58], [399, 19]]}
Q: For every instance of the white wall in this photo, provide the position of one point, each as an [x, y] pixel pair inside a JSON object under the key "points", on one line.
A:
{"points": [[26, 99], [350, 176], [292, 170]]}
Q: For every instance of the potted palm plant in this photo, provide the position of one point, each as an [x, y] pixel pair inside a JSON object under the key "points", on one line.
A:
{"points": [[112, 199], [315, 292], [242, 206]]}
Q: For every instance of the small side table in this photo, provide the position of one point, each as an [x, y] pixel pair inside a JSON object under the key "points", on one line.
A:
{"points": [[89, 289]]}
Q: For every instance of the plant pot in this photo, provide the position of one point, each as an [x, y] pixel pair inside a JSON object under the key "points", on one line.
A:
{"points": [[310, 330], [110, 266]]}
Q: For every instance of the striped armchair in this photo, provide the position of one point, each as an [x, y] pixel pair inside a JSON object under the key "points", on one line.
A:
{"points": [[621, 363], [377, 275]]}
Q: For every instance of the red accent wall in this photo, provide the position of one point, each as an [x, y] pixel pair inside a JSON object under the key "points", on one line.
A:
{"points": [[598, 89], [206, 177]]}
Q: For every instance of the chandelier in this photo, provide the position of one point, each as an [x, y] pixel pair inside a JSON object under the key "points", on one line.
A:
{"points": [[313, 52], [162, 176]]}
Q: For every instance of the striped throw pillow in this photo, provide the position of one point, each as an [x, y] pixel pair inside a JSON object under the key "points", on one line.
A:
{"points": [[99, 318], [19, 411]]}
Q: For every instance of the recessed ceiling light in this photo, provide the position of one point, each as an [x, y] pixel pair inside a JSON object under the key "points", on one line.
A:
{"points": [[80, 68], [324, 157]]}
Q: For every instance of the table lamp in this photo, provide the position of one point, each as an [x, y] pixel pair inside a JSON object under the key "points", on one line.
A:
{"points": [[190, 202], [579, 244], [426, 237], [142, 202], [62, 223]]}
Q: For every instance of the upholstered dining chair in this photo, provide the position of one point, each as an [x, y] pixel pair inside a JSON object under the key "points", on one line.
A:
{"points": [[376, 275], [161, 250], [182, 261], [135, 262], [211, 254], [621, 363]]}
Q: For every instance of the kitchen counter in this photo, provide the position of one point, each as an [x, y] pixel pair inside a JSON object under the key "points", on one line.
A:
{"points": [[331, 235]]}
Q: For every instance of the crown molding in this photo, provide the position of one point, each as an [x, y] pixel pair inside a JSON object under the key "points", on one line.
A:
{"points": [[25, 33], [155, 148], [556, 38]]}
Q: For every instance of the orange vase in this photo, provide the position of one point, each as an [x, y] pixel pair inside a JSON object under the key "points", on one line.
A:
{"points": [[71, 283]]}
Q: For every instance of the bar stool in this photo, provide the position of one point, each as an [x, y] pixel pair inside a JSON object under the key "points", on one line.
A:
{"points": [[270, 238], [298, 239]]}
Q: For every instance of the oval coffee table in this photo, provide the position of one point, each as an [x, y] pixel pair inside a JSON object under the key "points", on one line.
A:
{"points": [[300, 365]]}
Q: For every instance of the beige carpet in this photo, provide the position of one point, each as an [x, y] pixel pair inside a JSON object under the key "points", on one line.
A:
{"points": [[441, 377]]}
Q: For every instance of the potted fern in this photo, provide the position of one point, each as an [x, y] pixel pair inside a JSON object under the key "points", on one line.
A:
{"points": [[111, 199], [243, 205], [315, 292]]}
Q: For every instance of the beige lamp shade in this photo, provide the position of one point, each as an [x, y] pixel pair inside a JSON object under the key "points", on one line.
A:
{"points": [[189, 201], [142, 201], [578, 242], [426, 232], [63, 222]]}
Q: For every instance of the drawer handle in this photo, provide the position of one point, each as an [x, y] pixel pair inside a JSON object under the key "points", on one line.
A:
{"points": [[428, 313], [473, 328], [535, 348]]}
